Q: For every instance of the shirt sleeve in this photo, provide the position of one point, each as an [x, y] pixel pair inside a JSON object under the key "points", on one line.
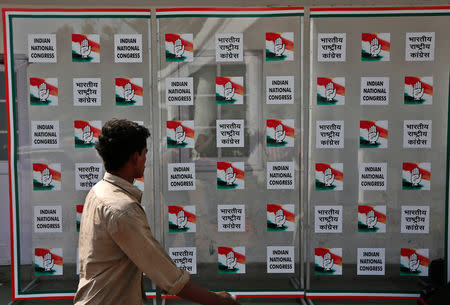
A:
{"points": [[131, 232]]}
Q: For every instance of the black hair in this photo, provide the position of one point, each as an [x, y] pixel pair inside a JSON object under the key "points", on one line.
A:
{"points": [[119, 140]]}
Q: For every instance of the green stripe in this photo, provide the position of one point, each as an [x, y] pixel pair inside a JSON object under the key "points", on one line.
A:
{"points": [[380, 15], [230, 16], [447, 189], [80, 16]]}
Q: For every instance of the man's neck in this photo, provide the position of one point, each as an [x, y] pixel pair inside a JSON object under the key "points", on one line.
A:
{"points": [[125, 174]]}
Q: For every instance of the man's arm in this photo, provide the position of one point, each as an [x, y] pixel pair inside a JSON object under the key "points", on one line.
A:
{"points": [[198, 294]]}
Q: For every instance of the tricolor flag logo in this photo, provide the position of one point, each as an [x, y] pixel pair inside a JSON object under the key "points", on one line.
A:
{"points": [[46, 177], [330, 90], [180, 134], [230, 175], [86, 133], [43, 91], [280, 133], [231, 260], [85, 48], [182, 219], [280, 217], [414, 262], [372, 218], [48, 261], [376, 46], [179, 47], [129, 92], [328, 261], [79, 208], [418, 90], [229, 90], [329, 177], [416, 176], [279, 46], [139, 183], [373, 134]]}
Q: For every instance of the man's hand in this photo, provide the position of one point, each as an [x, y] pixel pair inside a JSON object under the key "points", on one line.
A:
{"points": [[229, 91], [328, 177], [416, 176], [48, 262], [85, 48], [180, 135], [181, 220], [178, 48], [371, 219], [414, 262], [88, 135], [231, 260], [327, 261], [43, 92], [226, 299], [330, 91], [230, 176], [280, 218], [280, 133], [373, 134], [279, 46], [375, 47], [46, 177], [418, 91], [128, 92]]}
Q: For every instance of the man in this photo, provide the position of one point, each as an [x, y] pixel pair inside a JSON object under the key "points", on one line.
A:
{"points": [[115, 243]]}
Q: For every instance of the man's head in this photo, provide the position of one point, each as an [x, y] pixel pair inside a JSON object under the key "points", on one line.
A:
{"points": [[120, 140]]}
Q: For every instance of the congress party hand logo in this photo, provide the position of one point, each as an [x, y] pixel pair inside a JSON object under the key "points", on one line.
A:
{"points": [[328, 262], [85, 48], [231, 260], [375, 47]]}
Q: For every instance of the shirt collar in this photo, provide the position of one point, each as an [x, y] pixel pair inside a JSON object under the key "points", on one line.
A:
{"points": [[125, 185]]}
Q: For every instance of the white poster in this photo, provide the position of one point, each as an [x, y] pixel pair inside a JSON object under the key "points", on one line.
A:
{"points": [[181, 176], [374, 90], [280, 175], [185, 258], [45, 134], [328, 219], [231, 217], [280, 90], [331, 46], [229, 47], [87, 175], [179, 91], [372, 176], [371, 261], [47, 219], [330, 134], [127, 48], [417, 133], [87, 92], [230, 133], [420, 46], [42, 48], [280, 259], [415, 219]]}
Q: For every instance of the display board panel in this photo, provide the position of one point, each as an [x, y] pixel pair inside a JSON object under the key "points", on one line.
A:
{"points": [[229, 85], [378, 179], [83, 68]]}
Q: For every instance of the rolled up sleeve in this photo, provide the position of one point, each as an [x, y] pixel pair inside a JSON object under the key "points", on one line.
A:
{"points": [[131, 232]]}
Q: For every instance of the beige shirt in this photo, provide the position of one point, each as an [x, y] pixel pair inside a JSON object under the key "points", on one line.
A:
{"points": [[116, 245]]}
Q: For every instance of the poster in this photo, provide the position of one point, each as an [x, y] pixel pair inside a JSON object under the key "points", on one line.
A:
{"points": [[79, 213], [420, 46], [45, 134], [371, 261], [330, 134], [181, 176], [417, 133], [330, 91], [43, 91], [179, 47], [414, 262], [373, 134], [48, 261], [280, 90], [329, 176], [280, 176], [129, 91], [375, 46], [229, 90], [87, 175], [182, 219], [280, 259], [280, 46], [231, 217], [372, 176], [179, 91], [139, 183], [415, 219], [374, 90], [185, 258], [328, 219], [418, 90], [87, 92], [47, 219], [127, 48], [372, 218], [180, 134], [416, 176], [86, 133], [281, 217], [230, 133], [86, 48], [230, 176], [331, 47], [280, 133], [328, 261], [231, 260], [42, 48], [229, 47], [46, 176]]}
